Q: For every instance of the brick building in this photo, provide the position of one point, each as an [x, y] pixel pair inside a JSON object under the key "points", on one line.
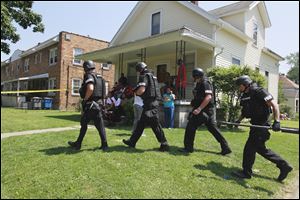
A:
{"points": [[51, 65]]}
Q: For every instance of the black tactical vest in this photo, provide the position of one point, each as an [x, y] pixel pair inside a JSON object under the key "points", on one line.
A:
{"points": [[199, 94], [152, 91], [99, 87], [259, 110]]}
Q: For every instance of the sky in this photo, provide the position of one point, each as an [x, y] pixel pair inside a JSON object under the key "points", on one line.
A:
{"points": [[102, 20]]}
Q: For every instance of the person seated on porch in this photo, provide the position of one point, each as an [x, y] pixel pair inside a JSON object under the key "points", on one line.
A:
{"points": [[123, 81], [114, 108]]}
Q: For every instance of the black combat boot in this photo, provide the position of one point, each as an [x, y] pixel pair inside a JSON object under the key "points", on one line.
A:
{"points": [[284, 171], [104, 146], [128, 143], [164, 147], [241, 174], [75, 145], [225, 151], [185, 150]]}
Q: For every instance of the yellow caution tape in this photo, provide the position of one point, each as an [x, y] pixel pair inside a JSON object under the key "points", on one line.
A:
{"points": [[32, 91]]}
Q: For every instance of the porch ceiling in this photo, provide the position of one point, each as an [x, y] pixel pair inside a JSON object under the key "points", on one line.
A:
{"points": [[164, 43]]}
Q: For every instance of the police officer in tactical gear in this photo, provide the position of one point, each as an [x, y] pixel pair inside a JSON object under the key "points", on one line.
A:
{"points": [[204, 111], [256, 103], [92, 92], [148, 90]]}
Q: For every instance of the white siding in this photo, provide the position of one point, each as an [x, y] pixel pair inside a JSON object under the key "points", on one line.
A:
{"points": [[254, 16], [173, 16], [237, 20], [233, 47], [267, 63]]}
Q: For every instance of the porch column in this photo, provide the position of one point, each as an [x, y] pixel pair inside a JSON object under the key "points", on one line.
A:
{"points": [[180, 60]]}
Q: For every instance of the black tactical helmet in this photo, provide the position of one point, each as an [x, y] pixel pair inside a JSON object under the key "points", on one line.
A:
{"points": [[88, 65], [198, 73], [140, 66], [243, 80]]}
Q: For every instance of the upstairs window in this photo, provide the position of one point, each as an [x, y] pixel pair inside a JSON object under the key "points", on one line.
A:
{"points": [[26, 65], [53, 56], [255, 30], [267, 79], [76, 52], [155, 23]]}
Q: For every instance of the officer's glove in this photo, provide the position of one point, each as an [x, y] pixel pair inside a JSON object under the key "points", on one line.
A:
{"points": [[276, 126], [237, 122]]}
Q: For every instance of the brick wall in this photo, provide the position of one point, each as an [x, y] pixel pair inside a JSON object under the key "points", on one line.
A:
{"points": [[64, 70]]}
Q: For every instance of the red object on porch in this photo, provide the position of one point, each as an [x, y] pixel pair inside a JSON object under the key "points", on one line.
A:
{"points": [[181, 77]]}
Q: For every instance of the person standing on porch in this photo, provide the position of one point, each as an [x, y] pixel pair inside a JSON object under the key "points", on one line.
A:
{"points": [[168, 100]]}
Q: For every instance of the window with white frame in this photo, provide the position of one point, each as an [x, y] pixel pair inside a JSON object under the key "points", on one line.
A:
{"points": [[155, 23], [255, 31], [267, 79], [77, 51], [53, 56], [36, 58], [40, 57], [106, 66], [76, 84], [51, 85], [7, 71], [12, 70], [106, 88], [26, 65], [236, 61], [297, 106]]}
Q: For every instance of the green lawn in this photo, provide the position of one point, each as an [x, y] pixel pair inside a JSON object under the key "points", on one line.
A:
{"points": [[42, 166], [20, 120]]}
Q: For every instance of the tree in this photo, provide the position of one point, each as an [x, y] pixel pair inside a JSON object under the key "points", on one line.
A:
{"points": [[224, 83], [19, 12], [293, 73]]}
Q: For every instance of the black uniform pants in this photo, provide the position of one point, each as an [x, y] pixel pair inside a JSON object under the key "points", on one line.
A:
{"points": [[256, 144], [148, 117], [96, 116], [208, 117]]}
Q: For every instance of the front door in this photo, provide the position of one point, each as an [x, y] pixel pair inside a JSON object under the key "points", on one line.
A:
{"points": [[131, 74]]}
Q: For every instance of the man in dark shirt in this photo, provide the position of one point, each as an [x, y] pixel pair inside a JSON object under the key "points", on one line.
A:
{"points": [[92, 92], [204, 111], [256, 106], [148, 90]]}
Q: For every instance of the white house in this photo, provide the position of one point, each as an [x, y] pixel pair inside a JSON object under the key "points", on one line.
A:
{"points": [[291, 93], [161, 32]]}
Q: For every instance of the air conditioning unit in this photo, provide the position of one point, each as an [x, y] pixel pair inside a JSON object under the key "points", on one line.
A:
{"points": [[68, 37]]}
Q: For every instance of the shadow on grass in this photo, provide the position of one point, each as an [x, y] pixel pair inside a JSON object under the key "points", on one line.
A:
{"points": [[225, 173], [118, 148], [122, 134], [60, 150], [70, 150], [75, 117]]}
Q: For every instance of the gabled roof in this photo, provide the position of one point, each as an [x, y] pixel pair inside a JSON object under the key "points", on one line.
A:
{"points": [[287, 83], [210, 17], [243, 6]]}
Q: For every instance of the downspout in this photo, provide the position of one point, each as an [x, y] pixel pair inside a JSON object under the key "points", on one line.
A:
{"points": [[218, 26], [215, 57]]}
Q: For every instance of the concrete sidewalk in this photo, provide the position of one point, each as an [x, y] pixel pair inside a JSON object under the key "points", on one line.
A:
{"points": [[6, 135]]}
